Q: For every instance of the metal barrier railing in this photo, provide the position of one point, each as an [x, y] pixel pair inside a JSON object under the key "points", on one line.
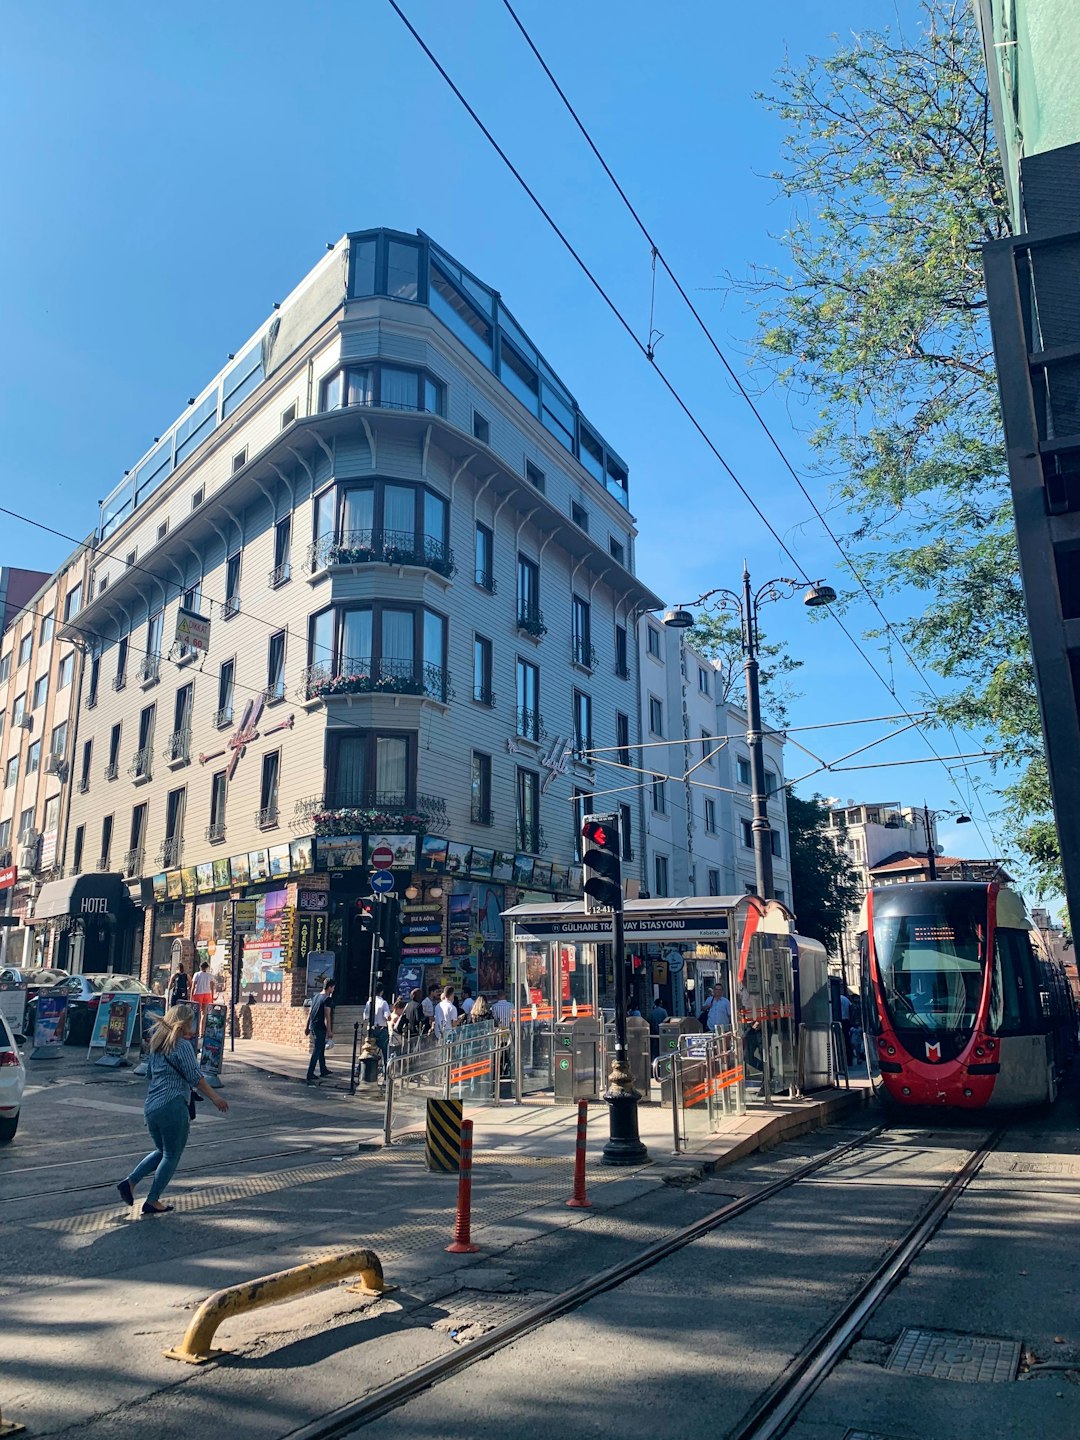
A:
{"points": [[461, 1064], [708, 1083]]}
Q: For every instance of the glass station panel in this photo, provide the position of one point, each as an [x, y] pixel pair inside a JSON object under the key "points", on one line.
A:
{"points": [[554, 981]]}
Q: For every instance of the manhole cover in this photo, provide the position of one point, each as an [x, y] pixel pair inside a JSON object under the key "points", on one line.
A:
{"points": [[473, 1312], [944, 1356], [1065, 1165]]}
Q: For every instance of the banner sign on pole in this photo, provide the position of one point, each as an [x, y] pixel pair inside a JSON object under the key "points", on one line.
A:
{"points": [[50, 1023], [192, 629], [151, 1010], [213, 1044]]}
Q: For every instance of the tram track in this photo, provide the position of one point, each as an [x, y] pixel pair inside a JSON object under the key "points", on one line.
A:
{"points": [[779, 1406]]}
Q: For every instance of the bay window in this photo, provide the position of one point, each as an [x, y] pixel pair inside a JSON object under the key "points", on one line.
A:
{"points": [[380, 648], [386, 387], [396, 522], [371, 769]]}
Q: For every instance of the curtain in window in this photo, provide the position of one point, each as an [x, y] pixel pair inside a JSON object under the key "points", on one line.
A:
{"points": [[356, 642], [360, 387], [435, 520], [399, 510], [358, 511], [400, 389], [391, 765], [350, 770], [397, 640]]}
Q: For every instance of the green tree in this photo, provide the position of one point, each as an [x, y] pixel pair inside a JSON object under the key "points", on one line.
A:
{"points": [[824, 887], [719, 637], [881, 322]]}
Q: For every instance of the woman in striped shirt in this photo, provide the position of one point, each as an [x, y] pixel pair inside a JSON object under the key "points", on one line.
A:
{"points": [[174, 1073]]}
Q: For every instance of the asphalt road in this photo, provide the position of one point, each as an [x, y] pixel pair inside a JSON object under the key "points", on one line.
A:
{"points": [[91, 1298]]}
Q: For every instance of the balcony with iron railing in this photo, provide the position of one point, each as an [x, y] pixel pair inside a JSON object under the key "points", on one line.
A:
{"points": [[215, 832], [367, 676], [530, 620], [139, 769], [149, 671], [172, 848], [177, 750], [230, 606], [84, 784], [487, 581], [131, 863], [223, 718], [280, 575], [346, 811], [119, 681], [481, 814], [274, 693], [386, 547], [112, 771], [267, 817], [529, 724], [582, 653], [484, 695]]}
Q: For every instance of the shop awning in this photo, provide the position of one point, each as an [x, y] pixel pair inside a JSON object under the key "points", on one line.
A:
{"points": [[99, 893]]}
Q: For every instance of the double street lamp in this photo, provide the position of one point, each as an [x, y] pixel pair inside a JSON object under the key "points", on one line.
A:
{"points": [[746, 605], [931, 854]]}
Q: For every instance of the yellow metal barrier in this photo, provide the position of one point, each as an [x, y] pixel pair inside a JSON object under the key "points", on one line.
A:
{"points": [[195, 1348]]}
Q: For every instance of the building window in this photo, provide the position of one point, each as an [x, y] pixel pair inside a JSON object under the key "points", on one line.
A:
{"points": [[622, 737], [140, 765], [282, 542], [239, 460], [660, 872], [626, 831], [379, 648], [372, 769], [46, 630], [137, 838], [622, 669], [5, 834], [707, 754], [703, 680], [95, 675], [288, 415], [275, 668], [581, 633], [5, 667], [26, 826], [175, 807], [120, 678], [746, 829], [163, 530], [617, 550], [84, 769], [386, 387], [480, 428], [130, 558], [216, 829], [198, 497], [583, 738], [114, 752], [106, 842], [482, 668], [402, 270], [390, 521], [652, 640], [480, 788], [781, 895], [579, 515], [529, 723], [710, 816], [65, 671], [18, 710], [459, 314], [485, 558], [41, 692], [656, 716], [232, 587], [268, 790], [26, 645], [154, 630], [659, 797], [772, 784], [58, 743], [33, 758], [535, 476], [528, 811], [73, 602], [744, 771], [714, 882], [77, 853], [226, 676], [774, 841], [529, 616]]}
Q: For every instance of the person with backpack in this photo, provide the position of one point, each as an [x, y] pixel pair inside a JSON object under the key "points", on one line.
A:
{"points": [[415, 1021], [320, 1026], [177, 989]]}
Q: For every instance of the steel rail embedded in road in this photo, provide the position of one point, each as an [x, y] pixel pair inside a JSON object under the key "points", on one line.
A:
{"points": [[779, 1407], [361, 1412]]}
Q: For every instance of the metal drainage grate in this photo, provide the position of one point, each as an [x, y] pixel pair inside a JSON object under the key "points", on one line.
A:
{"points": [[473, 1312], [944, 1356]]}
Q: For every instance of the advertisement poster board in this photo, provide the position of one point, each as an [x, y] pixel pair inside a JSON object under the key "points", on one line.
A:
{"points": [[116, 1031], [101, 1020], [213, 1044], [320, 966], [151, 1011], [13, 1004], [50, 1025], [409, 978]]}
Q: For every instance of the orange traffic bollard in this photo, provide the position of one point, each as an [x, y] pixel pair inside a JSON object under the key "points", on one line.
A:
{"points": [[462, 1243], [579, 1200]]}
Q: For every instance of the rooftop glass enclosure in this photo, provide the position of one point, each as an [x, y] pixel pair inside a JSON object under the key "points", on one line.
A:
{"points": [[558, 956], [413, 269]]}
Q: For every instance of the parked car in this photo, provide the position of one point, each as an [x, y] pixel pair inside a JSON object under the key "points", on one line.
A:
{"points": [[12, 1083], [84, 994]]}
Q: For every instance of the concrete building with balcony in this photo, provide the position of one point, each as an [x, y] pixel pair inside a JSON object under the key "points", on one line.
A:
{"points": [[697, 817], [40, 676], [416, 559]]}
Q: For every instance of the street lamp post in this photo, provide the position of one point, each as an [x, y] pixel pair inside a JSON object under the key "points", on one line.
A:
{"points": [[746, 605], [931, 856]]}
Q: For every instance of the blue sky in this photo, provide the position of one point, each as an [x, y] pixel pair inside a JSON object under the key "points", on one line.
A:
{"points": [[168, 176]]}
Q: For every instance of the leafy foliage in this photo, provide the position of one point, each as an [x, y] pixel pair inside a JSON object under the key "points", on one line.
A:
{"points": [[882, 324], [719, 638], [824, 887]]}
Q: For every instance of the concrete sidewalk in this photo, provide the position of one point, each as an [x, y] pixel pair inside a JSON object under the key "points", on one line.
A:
{"points": [[539, 1127]]}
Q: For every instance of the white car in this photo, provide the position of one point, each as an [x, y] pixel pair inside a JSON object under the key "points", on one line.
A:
{"points": [[12, 1083]]}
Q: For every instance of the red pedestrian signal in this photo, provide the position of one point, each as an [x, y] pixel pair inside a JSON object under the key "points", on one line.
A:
{"points": [[604, 860]]}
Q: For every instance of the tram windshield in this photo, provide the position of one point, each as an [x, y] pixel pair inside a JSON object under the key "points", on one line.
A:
{"points": [[931, 960]]}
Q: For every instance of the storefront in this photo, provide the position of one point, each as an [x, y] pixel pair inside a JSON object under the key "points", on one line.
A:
{"points": [[95, 921]]}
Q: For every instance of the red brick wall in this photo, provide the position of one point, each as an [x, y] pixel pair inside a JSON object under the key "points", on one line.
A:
{"points": [[279, 1024]]}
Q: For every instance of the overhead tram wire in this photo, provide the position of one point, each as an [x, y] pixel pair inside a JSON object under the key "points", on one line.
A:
{"points": [[668, 384], [658, 255], [748, 398]]}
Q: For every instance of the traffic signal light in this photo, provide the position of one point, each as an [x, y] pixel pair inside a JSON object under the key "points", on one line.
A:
{"points": [[365, 910], [603, 857]]}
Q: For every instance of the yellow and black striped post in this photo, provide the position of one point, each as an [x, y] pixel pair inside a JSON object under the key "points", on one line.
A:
{"points": [[442, 1140]]}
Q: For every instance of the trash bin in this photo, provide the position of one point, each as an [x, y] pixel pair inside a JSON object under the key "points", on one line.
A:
{"points": [[577, 1061], [670, 1030]]}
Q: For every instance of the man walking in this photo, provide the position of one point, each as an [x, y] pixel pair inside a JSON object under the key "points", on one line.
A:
{"points": [[446, 1015], [320, 1026], [718, 1015], [378, 1015]]}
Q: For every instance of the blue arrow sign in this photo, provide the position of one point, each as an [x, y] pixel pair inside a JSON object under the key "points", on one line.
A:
{"points": [[382, 882]]}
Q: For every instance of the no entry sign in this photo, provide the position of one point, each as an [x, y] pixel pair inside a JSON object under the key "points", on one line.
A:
{"points": [[382, 857]]}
